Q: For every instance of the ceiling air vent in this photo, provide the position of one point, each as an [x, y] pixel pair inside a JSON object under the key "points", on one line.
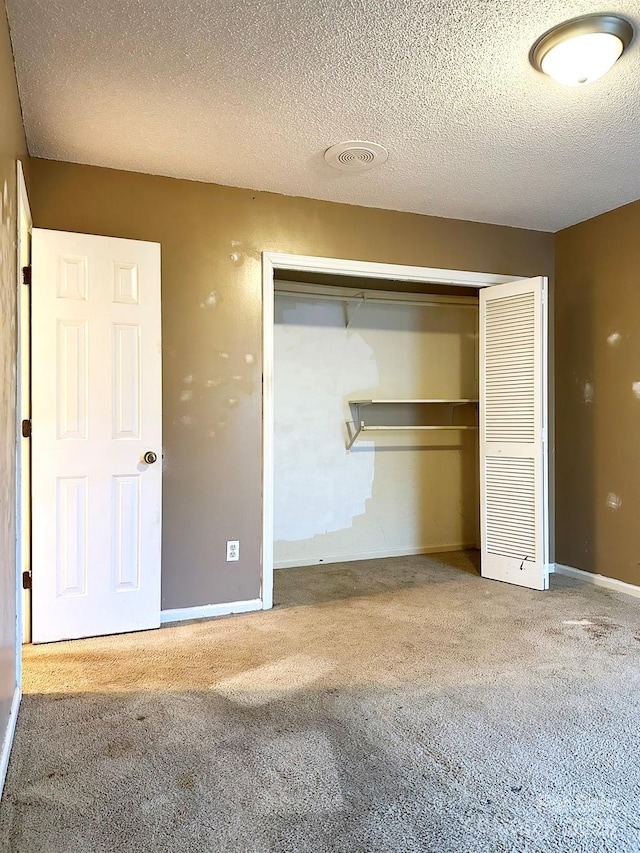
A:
{"points": [[355, 155]]}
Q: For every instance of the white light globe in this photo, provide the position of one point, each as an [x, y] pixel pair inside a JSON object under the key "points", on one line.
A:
{"points": [[582, 59]]}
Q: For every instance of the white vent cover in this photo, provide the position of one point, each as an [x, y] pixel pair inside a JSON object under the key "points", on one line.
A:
{"points": [[355, 155]]}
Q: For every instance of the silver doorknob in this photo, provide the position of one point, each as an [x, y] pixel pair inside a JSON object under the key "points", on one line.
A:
{"points": [[150, 457]]}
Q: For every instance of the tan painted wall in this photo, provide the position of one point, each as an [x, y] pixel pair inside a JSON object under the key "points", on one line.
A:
{"points": [[12, 146], [211, 238], [597, 407]]}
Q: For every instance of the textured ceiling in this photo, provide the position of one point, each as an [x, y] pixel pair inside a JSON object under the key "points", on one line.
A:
{"points": [[250, 93]]}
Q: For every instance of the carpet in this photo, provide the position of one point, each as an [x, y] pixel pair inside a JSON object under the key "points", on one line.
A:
{"points": [[388, 705]]}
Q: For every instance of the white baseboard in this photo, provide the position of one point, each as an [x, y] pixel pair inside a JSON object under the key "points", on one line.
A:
{"points": [[297, 562], [206, 611], [598, 580], [8, 737]]}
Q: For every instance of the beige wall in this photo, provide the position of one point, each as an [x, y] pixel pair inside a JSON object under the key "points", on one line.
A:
{"points": [[211, 238], [12, 146], [597, 403]]}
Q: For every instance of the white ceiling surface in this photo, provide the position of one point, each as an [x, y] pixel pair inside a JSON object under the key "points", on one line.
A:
{"points": [[250, 92]]}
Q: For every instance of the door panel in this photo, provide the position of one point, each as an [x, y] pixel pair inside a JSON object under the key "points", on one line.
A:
{"points": [[71, 536], [127, 381], [125, 492], [513, 429], [96, 359]]}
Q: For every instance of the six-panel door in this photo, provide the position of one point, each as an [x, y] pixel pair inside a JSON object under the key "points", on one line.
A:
{"points": [[96, 410]]}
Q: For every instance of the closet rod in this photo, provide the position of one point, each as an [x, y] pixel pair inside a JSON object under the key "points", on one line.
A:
{"points": [[380, 428], [435, 301]]}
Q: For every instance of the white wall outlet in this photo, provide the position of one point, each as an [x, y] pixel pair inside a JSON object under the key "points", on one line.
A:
{"points": [[233, 550]]}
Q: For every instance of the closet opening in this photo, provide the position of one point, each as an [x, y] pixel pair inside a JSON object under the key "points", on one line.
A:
{"points": [[376, 433], [376, 452]]}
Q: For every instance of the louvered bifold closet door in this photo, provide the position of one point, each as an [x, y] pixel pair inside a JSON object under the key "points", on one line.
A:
{"points": [[513, 428]]}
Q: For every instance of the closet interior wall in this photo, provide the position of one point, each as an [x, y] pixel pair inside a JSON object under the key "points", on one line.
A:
{"points": [[396, 491]]}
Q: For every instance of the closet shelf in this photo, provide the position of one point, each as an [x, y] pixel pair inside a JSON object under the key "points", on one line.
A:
{"points": [[357, 426], [379, 428]]}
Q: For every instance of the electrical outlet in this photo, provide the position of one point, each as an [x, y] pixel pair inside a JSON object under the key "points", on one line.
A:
{"points": [[233, 550]]}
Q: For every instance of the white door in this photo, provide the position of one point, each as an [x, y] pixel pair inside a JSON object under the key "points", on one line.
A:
{"points": [[513, 433], [96, 412]]}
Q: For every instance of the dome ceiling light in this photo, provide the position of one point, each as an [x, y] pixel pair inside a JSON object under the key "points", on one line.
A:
{"points": [[582, 50]]}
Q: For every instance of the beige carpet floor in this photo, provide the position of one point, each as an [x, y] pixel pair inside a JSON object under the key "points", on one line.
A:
{"points": [[391, 705]]}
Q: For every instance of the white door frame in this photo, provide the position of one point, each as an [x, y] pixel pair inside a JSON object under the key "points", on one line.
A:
{"points": [[275, 261], [23, 212], [23, 484]]}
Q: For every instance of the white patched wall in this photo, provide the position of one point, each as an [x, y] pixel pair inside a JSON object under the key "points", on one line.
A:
{"points": [[401, 492]]}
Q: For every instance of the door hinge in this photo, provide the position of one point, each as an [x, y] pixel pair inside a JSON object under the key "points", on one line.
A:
{"points": [[26, 276], [26, 428], [26, 580]]}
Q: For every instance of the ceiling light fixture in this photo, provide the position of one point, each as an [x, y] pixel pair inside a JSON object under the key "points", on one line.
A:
{"points": [[582, 50]]}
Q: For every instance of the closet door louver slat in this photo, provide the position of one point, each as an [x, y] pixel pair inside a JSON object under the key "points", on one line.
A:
{"points": [[513, 493], [510, 485]]}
